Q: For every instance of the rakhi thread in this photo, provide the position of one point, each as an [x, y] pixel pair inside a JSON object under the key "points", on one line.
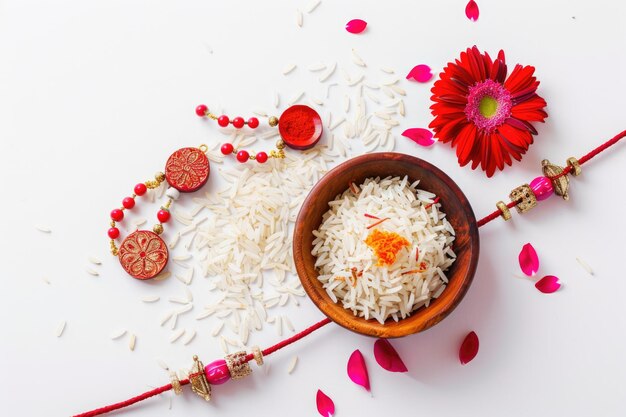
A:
{"points": [[501, 212]]}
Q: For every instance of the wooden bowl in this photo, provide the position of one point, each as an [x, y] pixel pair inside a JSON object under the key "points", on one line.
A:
{"points": [[454, 204]]}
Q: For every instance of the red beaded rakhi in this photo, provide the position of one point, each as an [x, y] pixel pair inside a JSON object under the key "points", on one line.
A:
{"points": [[143, 254], [300, 127]]}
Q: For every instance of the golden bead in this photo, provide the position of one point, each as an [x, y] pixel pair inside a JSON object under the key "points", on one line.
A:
{"points": [[524, 197], [273, 121], [158, 228], [159, 176], [280, 144], [504, 210], [575, 165]]}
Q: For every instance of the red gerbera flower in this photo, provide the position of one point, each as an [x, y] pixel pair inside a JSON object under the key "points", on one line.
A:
{"points": [[484, 114]]}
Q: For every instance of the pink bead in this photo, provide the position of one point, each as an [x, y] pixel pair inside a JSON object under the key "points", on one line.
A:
{"points": [[542, 187], [217, 372]]}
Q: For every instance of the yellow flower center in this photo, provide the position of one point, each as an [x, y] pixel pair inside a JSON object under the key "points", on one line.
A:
{"points": [[488, 106]]}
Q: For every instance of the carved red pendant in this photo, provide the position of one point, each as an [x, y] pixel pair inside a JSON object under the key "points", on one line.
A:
{"points": [[300, 127], [187, 169], [143, 254]]}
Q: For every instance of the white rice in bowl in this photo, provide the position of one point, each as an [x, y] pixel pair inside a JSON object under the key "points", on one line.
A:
{"points": [[348, 267]]}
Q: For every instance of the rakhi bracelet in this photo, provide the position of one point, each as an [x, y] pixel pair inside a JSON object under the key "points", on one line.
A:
{"points": [[555, 180], [300, 127], [143, 254]]}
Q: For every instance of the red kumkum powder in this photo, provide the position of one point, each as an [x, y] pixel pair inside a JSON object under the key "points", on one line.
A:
{"points": [[300, 127]]}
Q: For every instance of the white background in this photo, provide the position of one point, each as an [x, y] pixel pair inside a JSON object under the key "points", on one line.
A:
{"points": [[95, 95]]}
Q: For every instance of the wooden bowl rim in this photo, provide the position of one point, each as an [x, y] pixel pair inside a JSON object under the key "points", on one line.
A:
{"points": [[371, 327]]}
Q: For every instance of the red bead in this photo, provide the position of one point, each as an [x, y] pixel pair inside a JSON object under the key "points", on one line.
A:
{"points": [[163, 215], [217, 372], [238, 122], [227, 148], [128, 202], [117, 215], [261, 157], [202, 110], [140, 189], [113, 232], [243, 156], [253, 122], [223, 120]]}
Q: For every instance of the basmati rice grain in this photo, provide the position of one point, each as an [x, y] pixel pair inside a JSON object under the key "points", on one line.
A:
{"points": [[117, 334], [292, 364], [585, 266], [60, 328], [189, 337], [176, 335], [312, 5], [289, 68]]}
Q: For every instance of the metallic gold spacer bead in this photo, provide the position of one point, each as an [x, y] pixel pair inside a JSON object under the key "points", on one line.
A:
{"points": [[158, 228], [273, 121]]}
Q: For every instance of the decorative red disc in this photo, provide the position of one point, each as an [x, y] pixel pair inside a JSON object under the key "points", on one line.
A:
{"points": [[300, 127], [143, 254], [187, 169]]}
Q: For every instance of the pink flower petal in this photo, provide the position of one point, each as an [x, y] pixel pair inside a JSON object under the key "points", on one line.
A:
{"points": [[420, 136], [469, 348], [325, 406], [548, 284], [387, 357], [528, 260], [471, 11], [420, 73], [356, 26], [357, 371]]}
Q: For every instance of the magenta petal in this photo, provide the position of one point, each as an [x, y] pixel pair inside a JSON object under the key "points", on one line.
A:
{"points": [[387, 357], [356, 26], [325, 406], [548, 284], [357, 371], [528, 260], [471, 11], [469, 348], [420, 136], [420, 73]]}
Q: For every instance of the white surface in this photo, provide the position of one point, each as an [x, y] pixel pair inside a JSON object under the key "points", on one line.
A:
{"points": [[95, 95]]}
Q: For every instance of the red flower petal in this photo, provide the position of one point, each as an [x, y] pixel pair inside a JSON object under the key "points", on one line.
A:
{"points": [[357, 371], [469, 348], [325, 406], [548, 284], [471, 11], [528, 260], [420, 73], [356, 26], [387, 357], [420, 136]]}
